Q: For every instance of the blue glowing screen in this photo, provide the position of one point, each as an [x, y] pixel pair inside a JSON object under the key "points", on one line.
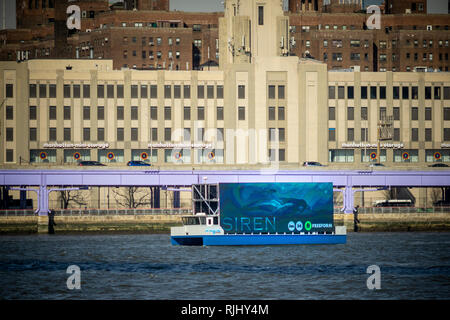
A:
{"points": [[276, 207]]}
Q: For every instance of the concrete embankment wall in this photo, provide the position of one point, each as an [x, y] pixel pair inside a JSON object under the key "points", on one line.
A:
{"points": [[396, 221], [162, 223], [75, 224]]}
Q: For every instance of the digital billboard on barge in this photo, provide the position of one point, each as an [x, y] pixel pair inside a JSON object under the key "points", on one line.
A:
{"points": [[270, 208]]}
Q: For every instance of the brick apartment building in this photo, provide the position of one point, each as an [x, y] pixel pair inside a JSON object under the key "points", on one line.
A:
{"points": [[144, 34]]}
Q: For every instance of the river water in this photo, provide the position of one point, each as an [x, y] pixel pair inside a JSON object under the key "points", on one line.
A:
{"points": [[412, 266]]}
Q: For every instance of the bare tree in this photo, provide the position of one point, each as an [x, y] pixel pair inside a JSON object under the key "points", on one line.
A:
{"points": [[132, 197], [72, 196]]}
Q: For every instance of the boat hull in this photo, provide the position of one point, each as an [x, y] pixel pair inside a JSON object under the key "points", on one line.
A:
{"points": [[257, 240]]}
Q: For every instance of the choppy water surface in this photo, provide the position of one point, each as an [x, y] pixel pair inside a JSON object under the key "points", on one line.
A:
{"points": [[413, 266]]}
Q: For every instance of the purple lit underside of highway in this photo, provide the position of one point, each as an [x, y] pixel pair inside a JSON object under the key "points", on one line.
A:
{"points": [[186, 178], [348, 182]]}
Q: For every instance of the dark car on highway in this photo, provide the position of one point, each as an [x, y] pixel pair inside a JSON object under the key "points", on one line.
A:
{"points": [[91, 163], [138, 164], [438, 165], [312, 164]]}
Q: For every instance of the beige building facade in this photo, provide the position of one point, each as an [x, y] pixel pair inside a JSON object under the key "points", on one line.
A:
{"points": [[260, 108]]}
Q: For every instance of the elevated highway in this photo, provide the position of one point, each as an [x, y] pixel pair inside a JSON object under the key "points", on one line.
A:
{"points": [[346, 181]]}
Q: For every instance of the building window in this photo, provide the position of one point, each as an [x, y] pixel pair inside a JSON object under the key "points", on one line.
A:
{"points": [[120, 113], [52, 134], [187, 113], [154, 134], [187, 91], [260, 15], [9, 113], [219, 113], [271, 92], [281, 155], [363, 92], [153, 113], [134, 134], [373, 92], [428, 134], [32, 91], [87, 134], [167, 91], [219, 92], [167, 113], [405, 93], [446, 134], [201, 113], [153, 91], [101, 134], [110, 91], [341, 155], [400, 155], [120, 134], [350, 113], [364, 134], [134, 113], [52, 113], [241, 113], [9, 155], [414, 134], [415, 92], [86, 91], [210, 92], [350, 134], [120, 91], [42, 91], [100, 113], [67, 91], [167, 134], [396, 136], [281, 114], [67, 134], [341, 92], [271, 113], [382, 92], [331, 92], [437, 92], [177, 91], [86, 113], [428, 93], [281, 92], [364, 113], [428, 114], [201, 92], [134, 91], [9, 90], [396, 113], [414, 113], [447, 114], [331, 134], [241, 92], [382, 113], [67, 112], [350, 92], [100, 91], [76, 90], [144, 91]]}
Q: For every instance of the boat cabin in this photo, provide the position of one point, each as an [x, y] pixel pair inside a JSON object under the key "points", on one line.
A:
{"points": [[200, 220]]}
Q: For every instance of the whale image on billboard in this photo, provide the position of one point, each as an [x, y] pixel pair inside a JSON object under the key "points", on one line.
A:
{"points": [[276, 208]]}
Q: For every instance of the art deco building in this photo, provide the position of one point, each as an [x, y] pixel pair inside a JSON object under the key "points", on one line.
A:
{"points": [[262, 107]]}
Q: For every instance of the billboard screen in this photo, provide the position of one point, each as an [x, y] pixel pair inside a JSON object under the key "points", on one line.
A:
{"points": [[276, 207]]}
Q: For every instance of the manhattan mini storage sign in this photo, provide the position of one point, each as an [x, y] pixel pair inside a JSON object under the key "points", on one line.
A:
{"points": [[276, 207]]}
